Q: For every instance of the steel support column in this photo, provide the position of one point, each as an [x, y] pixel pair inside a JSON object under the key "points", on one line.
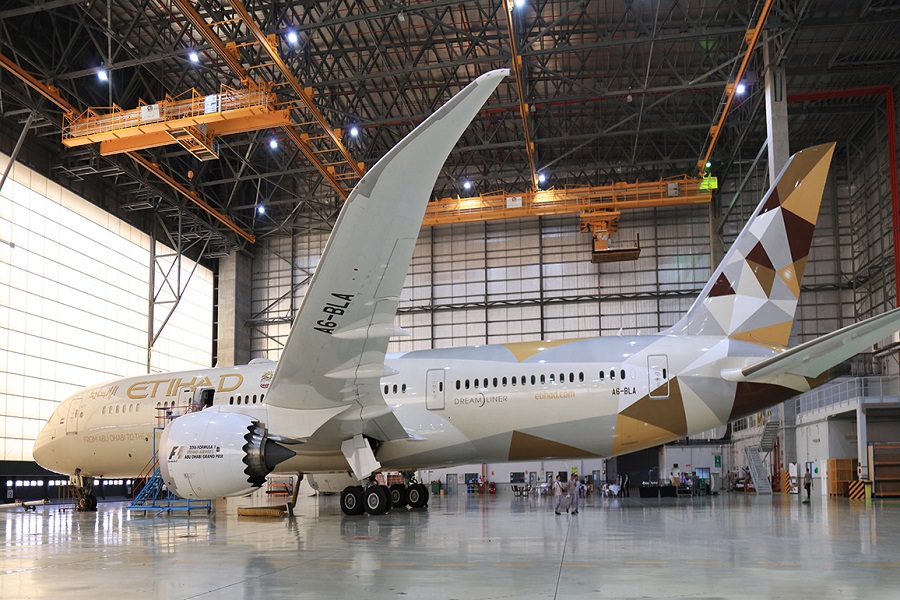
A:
{"points": [[776, 114]]}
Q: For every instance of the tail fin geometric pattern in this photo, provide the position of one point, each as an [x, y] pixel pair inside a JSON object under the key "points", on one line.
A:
{"points": [[753, 293]]}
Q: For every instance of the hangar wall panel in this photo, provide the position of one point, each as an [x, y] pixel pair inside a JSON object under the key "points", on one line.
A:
{"points": [[74, 284], [528, 279]]}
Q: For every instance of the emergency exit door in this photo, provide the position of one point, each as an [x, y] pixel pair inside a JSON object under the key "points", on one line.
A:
{"points": [[658, 365], [434, 389]]}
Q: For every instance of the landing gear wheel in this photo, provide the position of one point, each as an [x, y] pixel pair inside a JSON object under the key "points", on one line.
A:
{"points": [[375, 500], [81, 504], [387, 493], [418, 495], [398, 495], [92, 502], [352, 500]]}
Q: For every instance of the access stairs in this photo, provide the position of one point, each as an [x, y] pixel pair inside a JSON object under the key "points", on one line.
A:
{"points": [[154, 495], [769, 435], [755, 464]]}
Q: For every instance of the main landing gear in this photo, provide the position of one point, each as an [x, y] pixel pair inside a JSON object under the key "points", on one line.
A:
{"points": [[378, 499]]}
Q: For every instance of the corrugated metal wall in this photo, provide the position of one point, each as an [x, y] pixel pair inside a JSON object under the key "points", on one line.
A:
{"points": [[533, 279]]}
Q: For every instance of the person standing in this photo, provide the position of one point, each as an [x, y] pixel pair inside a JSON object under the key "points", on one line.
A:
{"points": [[557, 494], [572, 502], [807, 483]]}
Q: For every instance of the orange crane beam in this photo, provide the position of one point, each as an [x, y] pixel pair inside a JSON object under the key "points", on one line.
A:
{"points": [[230, 57], [191, 115], [587, 201], [523, 106], [52, 94], [276, 118], [304, 94], [751, 37]]}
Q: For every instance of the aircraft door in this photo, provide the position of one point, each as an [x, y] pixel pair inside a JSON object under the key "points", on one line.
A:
{"points": [[434, 389], [73, 416], [658, 364]]}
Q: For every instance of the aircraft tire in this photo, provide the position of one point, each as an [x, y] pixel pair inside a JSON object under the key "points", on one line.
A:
{"points": [[352, 500], [387, 492], [81, 503], [376, 502], [418, 495], [399, 495], [91, 502]]}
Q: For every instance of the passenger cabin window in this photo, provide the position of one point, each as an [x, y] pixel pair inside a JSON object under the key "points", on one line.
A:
{"points": [[602, 375], [543, 379], [622, 373], [504, 382], [552, 378], [612, 375], [403, 388]]}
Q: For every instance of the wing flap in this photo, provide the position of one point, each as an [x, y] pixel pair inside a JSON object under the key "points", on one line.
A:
{"points": [[815, 357]]}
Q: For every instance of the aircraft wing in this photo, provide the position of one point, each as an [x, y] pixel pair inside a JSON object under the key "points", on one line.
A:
{"points": [[333, 359], [817, 356]]}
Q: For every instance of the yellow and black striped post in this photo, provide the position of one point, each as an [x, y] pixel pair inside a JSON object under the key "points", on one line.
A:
{"points": [[857, 490]]}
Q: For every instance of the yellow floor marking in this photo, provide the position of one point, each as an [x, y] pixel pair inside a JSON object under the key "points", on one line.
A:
{"points": [[451, 565], [877, 565]]}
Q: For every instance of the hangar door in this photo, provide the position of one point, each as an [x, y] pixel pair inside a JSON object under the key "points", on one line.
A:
{"points": [[658, 364], [434, 389]]}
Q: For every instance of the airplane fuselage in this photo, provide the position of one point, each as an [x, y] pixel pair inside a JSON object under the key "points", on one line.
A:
{"points": [[521, 401]]}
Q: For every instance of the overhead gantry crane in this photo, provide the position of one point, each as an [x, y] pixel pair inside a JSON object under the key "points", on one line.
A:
{"points": [[192, 119], [598, 207]]}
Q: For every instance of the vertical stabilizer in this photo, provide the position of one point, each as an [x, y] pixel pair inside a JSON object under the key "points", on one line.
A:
{"points": [[753, 293]]}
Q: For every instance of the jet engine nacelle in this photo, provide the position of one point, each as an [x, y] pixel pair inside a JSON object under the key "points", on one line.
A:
{"points": [[211, 454]]}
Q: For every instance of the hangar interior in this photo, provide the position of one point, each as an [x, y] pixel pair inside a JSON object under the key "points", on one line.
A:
{"points": [[193, 245]]}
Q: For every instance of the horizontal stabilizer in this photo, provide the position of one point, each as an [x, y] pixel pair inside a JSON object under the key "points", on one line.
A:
{"points": [[817, 356]]}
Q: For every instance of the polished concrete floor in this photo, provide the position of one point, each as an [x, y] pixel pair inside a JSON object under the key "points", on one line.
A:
{"points": [[466, 547]]}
